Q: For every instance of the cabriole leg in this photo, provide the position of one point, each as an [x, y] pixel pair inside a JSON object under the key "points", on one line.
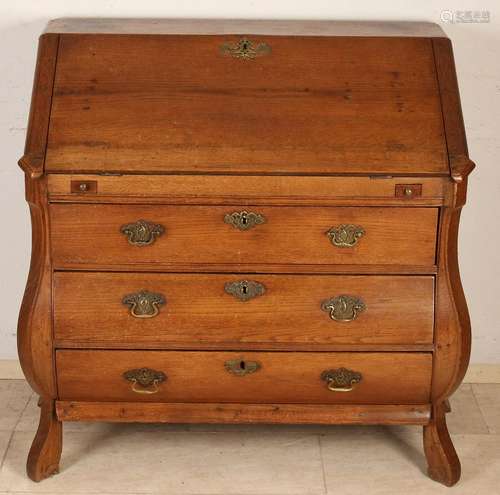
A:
{"points": [[45, 452], [443, 462]]}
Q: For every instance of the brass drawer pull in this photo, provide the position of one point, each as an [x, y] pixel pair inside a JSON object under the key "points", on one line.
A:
{"points": [[343, 308], [142, 232], [244, 290], [144, 304], [245, 49], [345, 235], [244, 220], [145, 380], [341, 379], [241, 367]]}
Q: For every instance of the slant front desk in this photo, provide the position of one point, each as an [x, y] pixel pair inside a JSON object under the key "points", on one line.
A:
{"points": [[248, 222]]}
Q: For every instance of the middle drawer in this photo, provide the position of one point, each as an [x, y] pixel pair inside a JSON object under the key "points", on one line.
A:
{"points": [[262, 311]]}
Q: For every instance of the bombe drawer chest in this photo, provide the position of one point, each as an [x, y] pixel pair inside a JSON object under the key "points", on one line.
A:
{"points": [[244, 222]]}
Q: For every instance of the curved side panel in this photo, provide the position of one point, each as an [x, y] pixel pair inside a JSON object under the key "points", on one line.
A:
{"points": [[34, 331], [452, 327]]}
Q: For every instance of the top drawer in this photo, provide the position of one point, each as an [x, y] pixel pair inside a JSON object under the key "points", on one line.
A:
{"points": [[111, 235]]}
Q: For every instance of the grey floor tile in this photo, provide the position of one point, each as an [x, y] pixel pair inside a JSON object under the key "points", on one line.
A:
{"points": [[4, 442], [14, 395], [121, 460], [466, 416], [392, 462], [488, 398]]}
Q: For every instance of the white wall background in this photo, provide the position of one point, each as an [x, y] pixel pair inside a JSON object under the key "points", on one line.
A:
{"points": [[477, 52]]}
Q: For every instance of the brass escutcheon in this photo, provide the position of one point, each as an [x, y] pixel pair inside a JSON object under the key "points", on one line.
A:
{"points": [[144, 378], [144, 304], [345, 235], [241, 367], [244, 290], [343, 308], [142, 232], [244, 220], [341, 379], [245, 49]]}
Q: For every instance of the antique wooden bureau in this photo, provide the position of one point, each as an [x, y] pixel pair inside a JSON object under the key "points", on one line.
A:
{"points": [[245, 222]]}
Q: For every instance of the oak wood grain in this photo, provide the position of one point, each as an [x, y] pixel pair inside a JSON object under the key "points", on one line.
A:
{"points": [[173, 267], [458, 156], [399, 310], [242, 26], [34, 328], [45, 452], [252, 346], [321, 131], [284, 377], [244, 189], [33, 160], [163, 412], [119, 106], [452, 322], [443, 463], [199, 235]]}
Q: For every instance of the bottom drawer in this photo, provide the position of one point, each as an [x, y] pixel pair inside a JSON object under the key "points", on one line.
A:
{"points": [[244, 377]]}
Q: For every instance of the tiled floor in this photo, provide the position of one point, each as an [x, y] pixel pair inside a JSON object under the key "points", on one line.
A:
{"points": [[251, 460]]}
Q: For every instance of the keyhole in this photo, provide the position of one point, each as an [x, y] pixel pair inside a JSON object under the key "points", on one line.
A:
{"points": [[244, 220], [242, 365], [244, 289]]}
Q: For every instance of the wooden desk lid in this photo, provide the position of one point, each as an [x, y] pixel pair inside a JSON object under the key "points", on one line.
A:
{"points": [[316, 103]]}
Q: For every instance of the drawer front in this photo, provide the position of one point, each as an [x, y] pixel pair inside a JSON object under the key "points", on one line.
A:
{"points": [[208, 309], [250, 377], [110, 235]]}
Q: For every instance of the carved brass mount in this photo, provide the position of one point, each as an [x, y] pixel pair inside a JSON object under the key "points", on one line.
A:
{"points": [[144, 304], [345, 235], [241, 367], [244, 290], [143, 379], [343, 308], [341, 379], [142, 232], [244, 220], [245, 49]]}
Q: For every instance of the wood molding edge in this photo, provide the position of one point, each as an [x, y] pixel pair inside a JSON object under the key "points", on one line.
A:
{"points": [[152, 412]]}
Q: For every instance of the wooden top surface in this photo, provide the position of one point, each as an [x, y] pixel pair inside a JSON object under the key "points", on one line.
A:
{"points": [[238, 26]]}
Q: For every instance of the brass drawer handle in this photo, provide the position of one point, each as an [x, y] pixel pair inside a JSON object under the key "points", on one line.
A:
{"points": [[145, 380], [241, 367], [142, 232], [245, 49], [244, 290], [345, 235], [144, 304], [244, 220], [343, 308], [341, 379]]}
